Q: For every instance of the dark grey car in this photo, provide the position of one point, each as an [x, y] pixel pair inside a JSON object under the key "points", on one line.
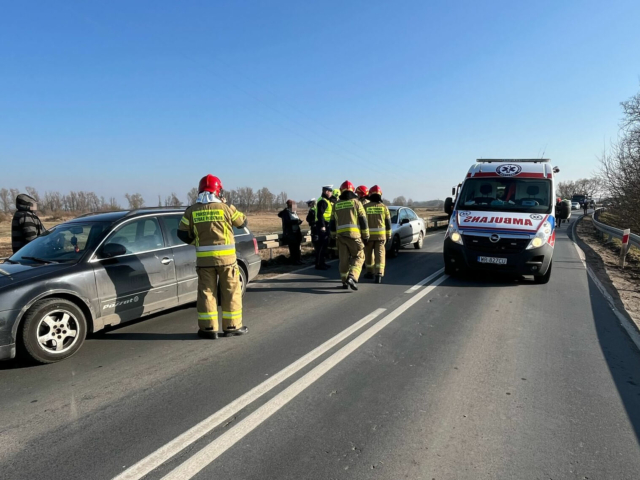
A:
{"points": [[100, 270]]}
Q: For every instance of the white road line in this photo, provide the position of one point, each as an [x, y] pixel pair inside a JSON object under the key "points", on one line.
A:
{"points": [[425, 281], [208, 454], [164, 453]]}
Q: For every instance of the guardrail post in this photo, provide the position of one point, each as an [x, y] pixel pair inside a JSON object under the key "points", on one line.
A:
{"points": [[625, 246]]}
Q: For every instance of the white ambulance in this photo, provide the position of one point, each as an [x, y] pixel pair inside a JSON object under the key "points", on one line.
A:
{"points": [[503, 219]]}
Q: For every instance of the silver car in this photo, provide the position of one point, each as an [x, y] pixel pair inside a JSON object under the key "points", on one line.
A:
{"points": [[406, 229]]}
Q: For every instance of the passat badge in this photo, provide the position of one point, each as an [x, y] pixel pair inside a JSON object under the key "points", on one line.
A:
{"points": [[509, 170]]}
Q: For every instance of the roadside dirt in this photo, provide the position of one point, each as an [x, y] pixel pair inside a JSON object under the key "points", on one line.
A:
{"points": [[622, 284]]}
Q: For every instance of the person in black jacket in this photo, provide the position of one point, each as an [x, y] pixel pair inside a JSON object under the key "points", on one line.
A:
{"points": [[291, 233], [25, 226], [322, 226]]}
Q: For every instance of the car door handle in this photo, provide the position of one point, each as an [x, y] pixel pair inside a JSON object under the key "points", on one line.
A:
{"points": [[166, 260]]}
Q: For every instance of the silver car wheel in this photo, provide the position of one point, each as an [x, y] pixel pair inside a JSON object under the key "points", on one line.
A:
{"points": [[57, 331]]}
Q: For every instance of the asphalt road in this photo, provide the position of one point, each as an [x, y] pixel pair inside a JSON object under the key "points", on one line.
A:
{"points": [[481, 377]]}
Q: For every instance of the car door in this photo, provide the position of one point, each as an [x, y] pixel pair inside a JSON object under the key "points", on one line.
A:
{"points": [[142, 279], [404, 227], [184, 258], [415, 223]]}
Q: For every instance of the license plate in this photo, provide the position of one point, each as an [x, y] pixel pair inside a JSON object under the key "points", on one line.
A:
{"points": [[494, 260]]}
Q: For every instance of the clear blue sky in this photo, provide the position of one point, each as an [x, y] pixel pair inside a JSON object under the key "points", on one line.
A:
{"points": [[148, 96]]}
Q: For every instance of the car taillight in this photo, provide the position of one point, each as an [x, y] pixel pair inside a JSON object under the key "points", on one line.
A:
{"points": [[255, 245]]}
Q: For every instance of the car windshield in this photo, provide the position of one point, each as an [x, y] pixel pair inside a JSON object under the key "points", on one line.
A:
{"points": [[65, 243], [394, 215], [506, 194]]}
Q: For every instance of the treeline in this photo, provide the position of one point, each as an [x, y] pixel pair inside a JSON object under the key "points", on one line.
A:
{"points": [[77, 202], [593, 187]]}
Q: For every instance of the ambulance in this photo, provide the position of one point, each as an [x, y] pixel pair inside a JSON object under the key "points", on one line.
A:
{"points": [[503, 219]]}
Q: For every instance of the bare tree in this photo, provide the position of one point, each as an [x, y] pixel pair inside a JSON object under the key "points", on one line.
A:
{"points": [[5, 200], [192, 196], [245, 198], [264, 199], [400, 201], [172, 201], [135, 200], [620, 167]]}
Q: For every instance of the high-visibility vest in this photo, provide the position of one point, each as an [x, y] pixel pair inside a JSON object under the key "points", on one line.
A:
{"points": [[327, 212]]}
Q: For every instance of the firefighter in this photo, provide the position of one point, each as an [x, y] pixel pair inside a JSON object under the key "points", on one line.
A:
{"points": [[324, 208], [208, 224], [379, 221], [363, 192], [349, 226]]}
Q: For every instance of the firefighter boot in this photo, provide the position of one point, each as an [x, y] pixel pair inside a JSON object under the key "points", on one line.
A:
{"points": [[234, 333], [378, 278], [209, 334], [352, 283]]}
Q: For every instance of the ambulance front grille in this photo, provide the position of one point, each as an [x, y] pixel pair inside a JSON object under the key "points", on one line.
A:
{"points": [[504, 245]]}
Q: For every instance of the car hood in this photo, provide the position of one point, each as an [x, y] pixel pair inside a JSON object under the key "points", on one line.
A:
{"points": [[505, 222], [12, 274]]}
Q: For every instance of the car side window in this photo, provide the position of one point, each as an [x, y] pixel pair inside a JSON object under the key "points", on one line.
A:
{"points": [[402, 215], [171, 224], [138, 236], [411, 214]]}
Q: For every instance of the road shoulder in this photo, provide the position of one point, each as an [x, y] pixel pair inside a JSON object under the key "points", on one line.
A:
{"points": [[622, 285]]}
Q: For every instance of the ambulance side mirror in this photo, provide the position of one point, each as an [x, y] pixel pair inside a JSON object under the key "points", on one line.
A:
{"points": [[448, 206], [453, 190]]}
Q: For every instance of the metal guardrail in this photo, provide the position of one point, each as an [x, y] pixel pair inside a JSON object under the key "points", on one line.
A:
{"points": [[275, 240], [612, 231]]}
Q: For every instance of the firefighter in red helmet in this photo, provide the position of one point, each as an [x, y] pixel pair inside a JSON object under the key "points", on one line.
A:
{"points": [[349, 225], [379, 221], [363, 195], [208, 224]]}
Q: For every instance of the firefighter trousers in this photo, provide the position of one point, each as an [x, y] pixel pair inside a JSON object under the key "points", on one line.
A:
{"points": [[351, 252], [375, 253], [225, 281]]}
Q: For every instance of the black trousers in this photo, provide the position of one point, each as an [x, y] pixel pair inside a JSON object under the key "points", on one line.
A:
{"points": [[322, 246], [294, 247]]}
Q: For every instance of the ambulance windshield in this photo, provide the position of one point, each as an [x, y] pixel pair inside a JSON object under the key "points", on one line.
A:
{"points": [[506, 195]]}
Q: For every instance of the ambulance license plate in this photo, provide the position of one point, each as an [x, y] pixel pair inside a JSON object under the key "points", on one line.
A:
{"points": [[494, 260]]}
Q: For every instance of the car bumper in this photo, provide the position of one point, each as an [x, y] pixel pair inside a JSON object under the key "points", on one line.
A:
{"points": [[253, 269], [8, 318], [527, 262]]}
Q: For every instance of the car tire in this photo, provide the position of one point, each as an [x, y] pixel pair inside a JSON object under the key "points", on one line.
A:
{"points": [[542, 279], [418, 245], [47, 330], [395, 247], [243, 279]]}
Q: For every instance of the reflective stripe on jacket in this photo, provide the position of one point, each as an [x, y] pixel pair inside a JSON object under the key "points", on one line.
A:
{"points": [[379, 220], [349, 220], [210, 226]]}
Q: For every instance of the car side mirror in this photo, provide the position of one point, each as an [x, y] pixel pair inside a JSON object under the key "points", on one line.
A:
{"points": [[404, 221], [453, 190], [448, 206], [111, 250]]}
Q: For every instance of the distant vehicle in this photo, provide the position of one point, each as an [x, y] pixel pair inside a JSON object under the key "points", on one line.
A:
{"points": [[406, 229], [580, 199], [99, 270], [504, 219], [575, 205]]}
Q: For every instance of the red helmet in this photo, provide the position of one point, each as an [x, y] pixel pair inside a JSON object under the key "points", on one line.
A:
{"points": [[211, 184], [375, 190], [347, 185], [362, 191]]}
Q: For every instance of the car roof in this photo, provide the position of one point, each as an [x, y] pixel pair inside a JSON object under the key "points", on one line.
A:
{"points": [[119, 215]]}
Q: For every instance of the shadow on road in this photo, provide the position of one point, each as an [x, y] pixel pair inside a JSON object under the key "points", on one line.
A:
{"points": [[149, 336], [621, 355]]}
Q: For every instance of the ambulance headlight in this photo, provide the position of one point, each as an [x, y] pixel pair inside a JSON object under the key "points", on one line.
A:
{"points": [[542, 236], [454, 234]]}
